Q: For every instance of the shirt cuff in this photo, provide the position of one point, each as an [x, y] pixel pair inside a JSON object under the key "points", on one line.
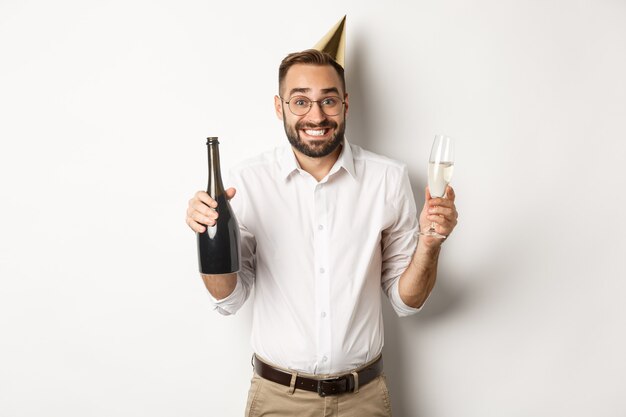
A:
{"points": [[232, 302], [399, 306]]}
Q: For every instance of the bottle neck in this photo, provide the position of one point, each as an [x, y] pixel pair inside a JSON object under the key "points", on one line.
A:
{"points": [[215, 186]]}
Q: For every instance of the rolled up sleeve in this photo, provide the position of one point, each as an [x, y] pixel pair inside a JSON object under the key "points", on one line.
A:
{"points": [[398, 243], [233, 302], [246, 274]]}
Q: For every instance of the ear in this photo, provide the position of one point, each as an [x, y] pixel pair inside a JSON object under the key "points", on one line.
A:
{"points": [[278, 107], [345, 98]]}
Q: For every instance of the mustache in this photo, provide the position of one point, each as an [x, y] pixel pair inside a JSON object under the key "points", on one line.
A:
{"points": [[326, 124]]}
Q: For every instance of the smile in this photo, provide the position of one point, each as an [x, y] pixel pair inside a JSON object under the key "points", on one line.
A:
{"points": [[316, 132]]}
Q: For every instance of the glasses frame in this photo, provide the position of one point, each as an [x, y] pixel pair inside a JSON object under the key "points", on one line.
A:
{"points": [[343, 104]]}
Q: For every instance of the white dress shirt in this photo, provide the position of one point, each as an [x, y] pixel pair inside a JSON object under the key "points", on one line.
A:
{"points": [[317, 255]]}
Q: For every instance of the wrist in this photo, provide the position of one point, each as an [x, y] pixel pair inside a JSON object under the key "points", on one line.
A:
{"points": [[431, 245]]}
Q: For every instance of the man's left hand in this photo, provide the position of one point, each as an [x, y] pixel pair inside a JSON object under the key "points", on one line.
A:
{"points": [[439, 211]]}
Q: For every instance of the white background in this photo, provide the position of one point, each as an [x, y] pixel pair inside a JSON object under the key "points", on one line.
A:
{"points": [[104, 110]]}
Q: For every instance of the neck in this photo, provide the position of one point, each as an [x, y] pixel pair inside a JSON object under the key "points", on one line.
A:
{"points": [[318, 167]]}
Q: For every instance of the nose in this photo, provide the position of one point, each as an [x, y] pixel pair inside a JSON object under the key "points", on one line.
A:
{"points": [[316, 113]]}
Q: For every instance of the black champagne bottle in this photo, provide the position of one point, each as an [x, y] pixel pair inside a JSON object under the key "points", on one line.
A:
{"points": [[218, 245]]}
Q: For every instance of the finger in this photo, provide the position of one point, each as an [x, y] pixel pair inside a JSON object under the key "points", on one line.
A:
{"points": [[200, 212], [444, 228], [446, 200], [427, 198], [230, 193], [205, 220], [448, 221], [205, 198], [198, 207], [443, 221], [440, 204], [196, 227], [440, 201], [443, 211], [450, 194], [448, 213]]}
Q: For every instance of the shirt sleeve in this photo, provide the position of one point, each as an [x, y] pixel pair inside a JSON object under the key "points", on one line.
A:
{"points": [[245, 277], [399, 242], [233, 302]]}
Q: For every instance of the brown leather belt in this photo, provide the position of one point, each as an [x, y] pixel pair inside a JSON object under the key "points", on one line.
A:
{"points": [[324, 387]]}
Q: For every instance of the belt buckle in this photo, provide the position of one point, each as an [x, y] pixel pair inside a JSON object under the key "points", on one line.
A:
{"points": [[320, 386]]}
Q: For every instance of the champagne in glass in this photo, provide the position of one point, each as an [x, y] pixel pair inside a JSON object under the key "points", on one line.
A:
{"points": [[440, 169]]}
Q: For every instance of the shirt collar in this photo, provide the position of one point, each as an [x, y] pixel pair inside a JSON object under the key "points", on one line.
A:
{"points": [[288, 162], [345, 160]]}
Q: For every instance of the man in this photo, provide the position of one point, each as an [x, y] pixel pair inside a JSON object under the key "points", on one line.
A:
{"points": [[324, 226]]}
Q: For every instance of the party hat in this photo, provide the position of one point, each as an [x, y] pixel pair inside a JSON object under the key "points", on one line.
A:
{"points": [[334, 42]]}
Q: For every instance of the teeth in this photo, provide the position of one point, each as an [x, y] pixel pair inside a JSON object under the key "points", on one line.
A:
{"points": [[315, 132]]}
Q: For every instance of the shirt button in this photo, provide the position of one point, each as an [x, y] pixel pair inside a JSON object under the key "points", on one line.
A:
{"points": [[324, 359], [322, 270], [323, 314], [320, 227]]}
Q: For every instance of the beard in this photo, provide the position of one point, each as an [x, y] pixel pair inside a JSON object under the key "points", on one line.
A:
{"points": [[315, 150]]}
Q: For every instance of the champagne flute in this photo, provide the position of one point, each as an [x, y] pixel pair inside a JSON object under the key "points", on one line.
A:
{"points": [[440, 168]]}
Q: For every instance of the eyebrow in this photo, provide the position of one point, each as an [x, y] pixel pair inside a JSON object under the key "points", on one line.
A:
{"points": [[302, 90]]}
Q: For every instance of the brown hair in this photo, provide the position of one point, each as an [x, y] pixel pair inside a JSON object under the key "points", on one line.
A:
{"points": [[312, 57]]}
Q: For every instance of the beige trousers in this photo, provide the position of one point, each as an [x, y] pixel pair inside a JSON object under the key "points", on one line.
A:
{"points": [[269, 399]]}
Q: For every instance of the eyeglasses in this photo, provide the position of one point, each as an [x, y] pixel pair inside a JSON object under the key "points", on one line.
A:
{"points": [[301, 105]]}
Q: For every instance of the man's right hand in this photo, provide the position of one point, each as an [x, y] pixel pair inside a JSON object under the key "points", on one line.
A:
{"points": [[201, 210]]}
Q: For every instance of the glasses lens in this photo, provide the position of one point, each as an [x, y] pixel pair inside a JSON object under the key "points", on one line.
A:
{"points": [[331, 106], [299, 105]]}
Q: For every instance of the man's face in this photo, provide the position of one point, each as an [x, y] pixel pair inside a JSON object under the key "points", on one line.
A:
{"points": [[314, 134]]}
